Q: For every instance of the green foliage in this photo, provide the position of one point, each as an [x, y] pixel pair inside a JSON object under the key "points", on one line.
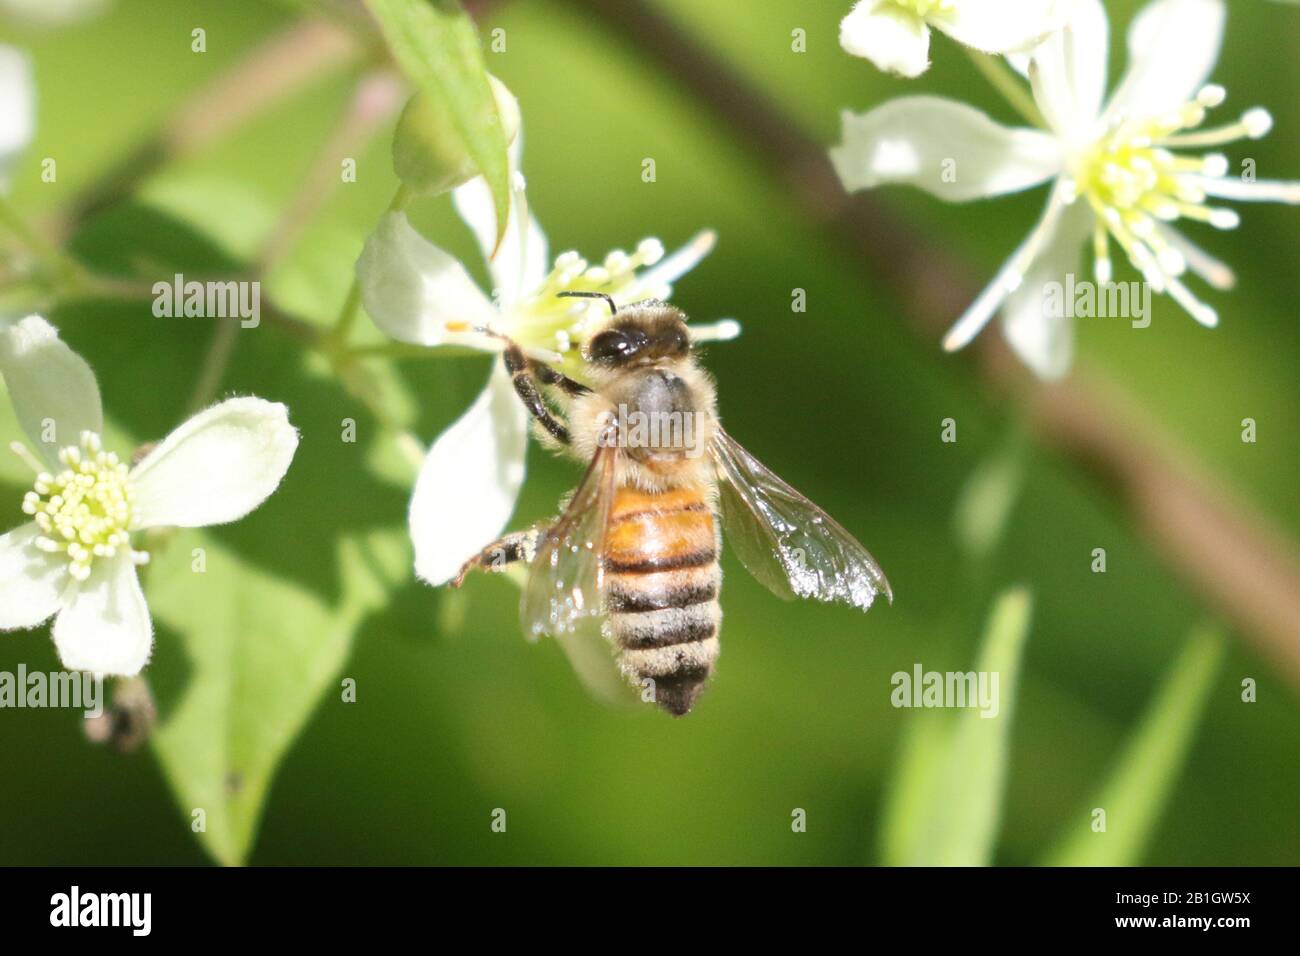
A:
{"points": [[945, 805], [1143, 778], [249, 641], [945, 800], [436, 45], [258, 653], [428, 155]]}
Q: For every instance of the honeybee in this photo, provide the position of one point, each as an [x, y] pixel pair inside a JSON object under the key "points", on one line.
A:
{"points": [[631, 565]]}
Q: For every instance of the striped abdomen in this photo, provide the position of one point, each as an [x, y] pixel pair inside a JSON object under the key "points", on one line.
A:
{"points": [[661, 591]]}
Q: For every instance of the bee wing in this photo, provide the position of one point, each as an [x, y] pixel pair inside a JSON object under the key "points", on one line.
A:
{"points": [[566, 575], [784, 540], [563, 594], [592, 658]]}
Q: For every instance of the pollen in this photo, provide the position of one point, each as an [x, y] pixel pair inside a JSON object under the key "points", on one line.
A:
{"points": [[1136, 183], [84, 511]]}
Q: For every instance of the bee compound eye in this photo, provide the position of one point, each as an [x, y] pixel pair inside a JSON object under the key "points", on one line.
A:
{"points": [[680, 341], [611, 346]]}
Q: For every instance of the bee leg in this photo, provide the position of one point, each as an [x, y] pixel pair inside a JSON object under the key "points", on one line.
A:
{"points": [[518, 366], [549, 376], [516, 546]]}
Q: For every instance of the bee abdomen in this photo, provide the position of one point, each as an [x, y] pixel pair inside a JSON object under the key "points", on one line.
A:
{"points": [[667, 627], [674, 649], [677, 674], [640, 598], [661, 594]]}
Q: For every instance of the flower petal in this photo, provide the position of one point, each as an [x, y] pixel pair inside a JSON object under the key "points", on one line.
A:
{"points": [[1070, 67], [53, 390], [1172, 47], [947, 148], [30, 579], [17, 108], [216, 467], [1087, 44], [521, 262], [1008, 279], [469, 482], [1000, 26], [1034, 320], [894, 39], [416, 292], [105, 628]]}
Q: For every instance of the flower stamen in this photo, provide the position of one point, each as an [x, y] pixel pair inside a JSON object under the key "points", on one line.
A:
{"points": [[84, 511], [1135, 184], [25, 455], [560, 326]]}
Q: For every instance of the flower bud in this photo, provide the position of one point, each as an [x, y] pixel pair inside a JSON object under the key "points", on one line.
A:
{"points": [[428, 154]]}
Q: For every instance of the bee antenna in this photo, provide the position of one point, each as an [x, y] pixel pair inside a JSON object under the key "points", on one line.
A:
{"points": [[613, 309]]}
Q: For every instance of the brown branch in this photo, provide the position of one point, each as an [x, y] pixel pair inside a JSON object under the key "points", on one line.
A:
{"points": [[1243, 569], [1228, 556]]}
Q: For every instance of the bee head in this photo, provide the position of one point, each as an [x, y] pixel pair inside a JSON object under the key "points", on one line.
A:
{"points": [[643, 333]]}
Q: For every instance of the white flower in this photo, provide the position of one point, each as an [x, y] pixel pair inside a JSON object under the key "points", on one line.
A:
{"points": [[17, 109], [895, 34], [1115, 169], [74, 559], [418, 293]]}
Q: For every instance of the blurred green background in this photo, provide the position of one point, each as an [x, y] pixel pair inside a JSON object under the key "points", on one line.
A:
{"points": [[456, 714]]}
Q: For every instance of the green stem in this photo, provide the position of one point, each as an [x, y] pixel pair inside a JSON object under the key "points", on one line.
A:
{"points": [[1005, 81], [347, 315], [66, 269]]}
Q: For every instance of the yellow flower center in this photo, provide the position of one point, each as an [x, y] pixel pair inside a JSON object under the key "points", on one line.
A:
{"points": [[545, 321], [1134, 181], [84, 511]]}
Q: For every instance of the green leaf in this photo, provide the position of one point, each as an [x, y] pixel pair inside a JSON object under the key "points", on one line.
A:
{"points": [[1140, 783], [436, 46], [246, 649], [945, 800], [912, 788], [232, 215], [428, 155], [259, 653]]}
